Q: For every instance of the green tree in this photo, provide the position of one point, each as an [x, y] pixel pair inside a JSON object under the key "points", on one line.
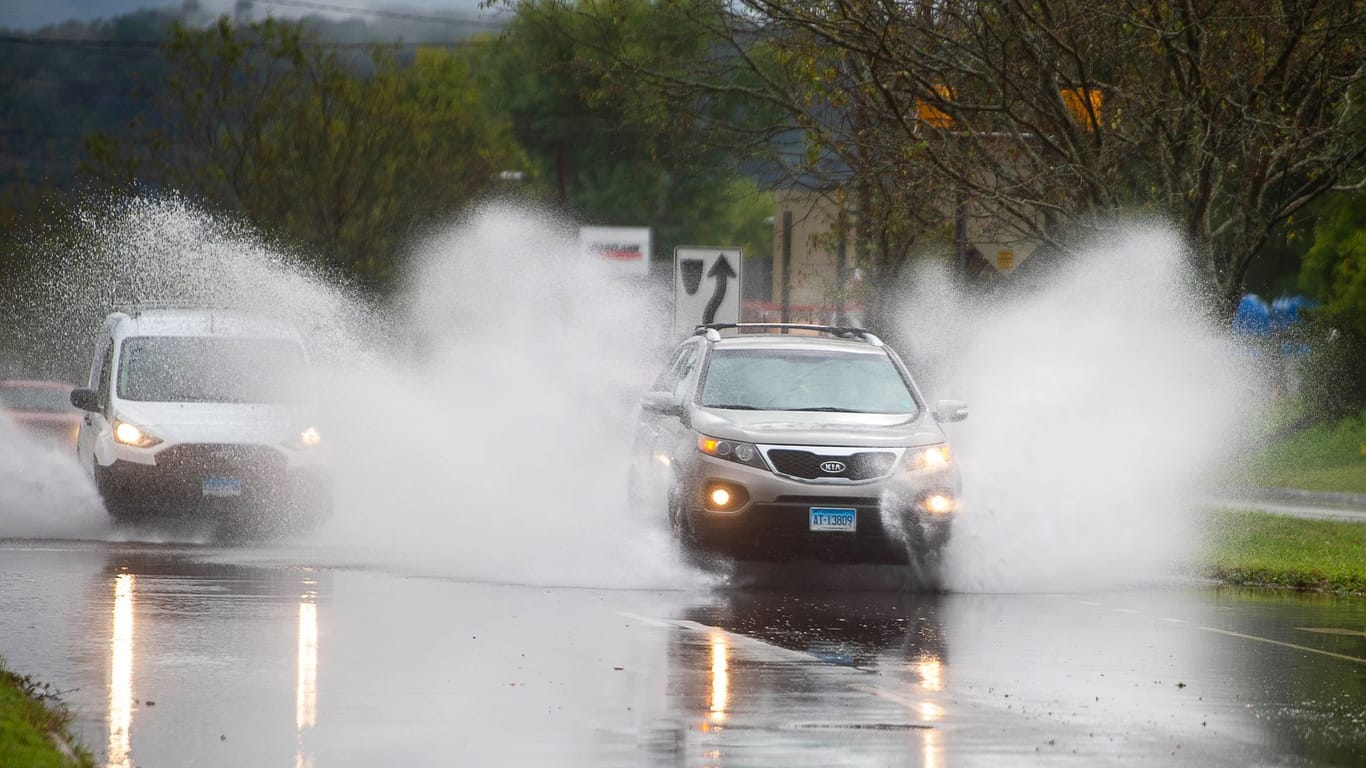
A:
{"points": [[607, 150], [1334, 272], [1334, 269], [341, 152]]}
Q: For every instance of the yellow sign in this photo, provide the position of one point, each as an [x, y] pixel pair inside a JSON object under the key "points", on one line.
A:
{"points": [[1083, 103], [1005, 260], [932, 115]]}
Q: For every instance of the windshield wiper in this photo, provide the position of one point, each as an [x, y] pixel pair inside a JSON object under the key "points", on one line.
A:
{"points": [[735, 407], [827, 409]]}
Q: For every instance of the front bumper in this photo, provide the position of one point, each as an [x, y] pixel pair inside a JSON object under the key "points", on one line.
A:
{"points": [[238, 477], [892, 522]]}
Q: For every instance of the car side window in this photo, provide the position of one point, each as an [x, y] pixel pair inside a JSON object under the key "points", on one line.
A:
{"points": [[685, 373], [106, 366], [678, 367]]}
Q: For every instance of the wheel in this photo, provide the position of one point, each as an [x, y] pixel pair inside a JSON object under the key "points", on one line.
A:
{"points": [[685, 539], [119, 511]]}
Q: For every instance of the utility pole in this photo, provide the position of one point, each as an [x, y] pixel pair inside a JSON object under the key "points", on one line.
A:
{"points": [[787, 267]]}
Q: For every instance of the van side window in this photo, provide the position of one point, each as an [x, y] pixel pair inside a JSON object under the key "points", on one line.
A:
{"points": [[102, 386]]}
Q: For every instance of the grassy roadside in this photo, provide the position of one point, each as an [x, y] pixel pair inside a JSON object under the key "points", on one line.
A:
{"points": [[34, 726], [1262, 549], [1324, 457]]}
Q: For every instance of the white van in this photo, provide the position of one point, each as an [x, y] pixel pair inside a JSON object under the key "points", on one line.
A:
{"points": [[202, 412]]}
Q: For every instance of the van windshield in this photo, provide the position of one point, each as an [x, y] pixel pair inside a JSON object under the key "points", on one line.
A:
{"points": [[805, 380], [212, 369]]}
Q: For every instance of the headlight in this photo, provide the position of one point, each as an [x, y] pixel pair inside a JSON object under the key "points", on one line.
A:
{"points": [[730, 450], [929, 457], [129, 434], [309, 438]]}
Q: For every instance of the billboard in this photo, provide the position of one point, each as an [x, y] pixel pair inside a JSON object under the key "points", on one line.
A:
{"points": [[627, 249]]}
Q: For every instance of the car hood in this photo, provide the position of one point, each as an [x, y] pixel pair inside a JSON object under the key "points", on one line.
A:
{"points": [[818, 428], [216, 422]]}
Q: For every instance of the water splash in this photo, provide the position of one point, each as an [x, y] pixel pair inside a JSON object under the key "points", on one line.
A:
{"points": [[1100, 403], [42, 492], [479, 425], [500, 449]]}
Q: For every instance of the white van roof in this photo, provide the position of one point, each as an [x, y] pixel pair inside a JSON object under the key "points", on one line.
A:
{"points": [[199, 322]]}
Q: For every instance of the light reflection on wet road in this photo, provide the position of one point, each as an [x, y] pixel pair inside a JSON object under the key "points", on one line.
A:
{"points": [[178, 655]]}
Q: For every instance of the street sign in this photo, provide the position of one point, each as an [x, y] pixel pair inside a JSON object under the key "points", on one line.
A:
{"points": [[706, 286], [624, 248]]}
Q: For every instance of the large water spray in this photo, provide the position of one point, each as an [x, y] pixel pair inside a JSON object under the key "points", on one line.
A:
{"points": [[1102, 400], [480, 424]]}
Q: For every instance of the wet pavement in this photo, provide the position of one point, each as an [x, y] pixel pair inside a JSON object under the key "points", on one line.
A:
{"points": [[181, 655]]}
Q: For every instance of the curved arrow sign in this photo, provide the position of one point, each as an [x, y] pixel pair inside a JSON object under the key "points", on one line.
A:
{"points": [[706, 286]]}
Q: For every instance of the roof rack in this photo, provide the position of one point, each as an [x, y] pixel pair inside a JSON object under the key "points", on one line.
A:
{"points": [[713, 330]]}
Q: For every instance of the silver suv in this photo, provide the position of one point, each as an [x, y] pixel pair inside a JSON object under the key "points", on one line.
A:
{"points": [[778, 439]]}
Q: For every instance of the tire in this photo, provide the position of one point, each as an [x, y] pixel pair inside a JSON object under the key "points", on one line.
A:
{"points": [[685, 539], [120, 513]]}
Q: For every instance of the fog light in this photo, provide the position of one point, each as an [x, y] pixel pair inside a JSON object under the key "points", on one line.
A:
{"points": [[724, 497], [939, 504]]}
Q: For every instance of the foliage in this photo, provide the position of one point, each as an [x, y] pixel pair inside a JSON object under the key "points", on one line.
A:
{"points": [[346, 154], [61, 83], [609, 151], [1334, 269], [30, 717], [1274, 550]]}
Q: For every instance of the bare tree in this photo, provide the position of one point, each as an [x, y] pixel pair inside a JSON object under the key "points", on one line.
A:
{"points": [[1223, 117]]}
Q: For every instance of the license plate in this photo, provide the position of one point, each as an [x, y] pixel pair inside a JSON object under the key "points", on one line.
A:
{"points": [[834, 519], [222, 486]]}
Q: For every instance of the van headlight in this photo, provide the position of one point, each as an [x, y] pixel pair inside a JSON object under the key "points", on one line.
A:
{"points": [[308, 438], [929, 457], [133, 435]]}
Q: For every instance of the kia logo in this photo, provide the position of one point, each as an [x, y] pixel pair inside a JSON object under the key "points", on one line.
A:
{"points": [[832, 467]]}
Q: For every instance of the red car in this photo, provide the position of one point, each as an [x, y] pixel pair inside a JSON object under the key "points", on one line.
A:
{"points": [[42, 408]]}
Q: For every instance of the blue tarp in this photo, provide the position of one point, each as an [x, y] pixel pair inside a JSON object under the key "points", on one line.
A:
{"points": [[1255, 318]]}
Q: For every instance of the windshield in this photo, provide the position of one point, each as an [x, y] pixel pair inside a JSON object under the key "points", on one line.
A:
{"points": [[805, 380], [211, 369], [33, 398]]}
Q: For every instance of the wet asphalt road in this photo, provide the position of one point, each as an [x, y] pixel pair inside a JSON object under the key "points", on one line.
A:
{"points": [[179, 655]]}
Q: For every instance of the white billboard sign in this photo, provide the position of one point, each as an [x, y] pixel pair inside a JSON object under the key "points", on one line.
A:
{"points": [[626, 248], [706, 286]]}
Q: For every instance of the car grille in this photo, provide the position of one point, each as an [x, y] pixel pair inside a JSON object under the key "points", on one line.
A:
{"points": [[867, 465], [231, 460]]}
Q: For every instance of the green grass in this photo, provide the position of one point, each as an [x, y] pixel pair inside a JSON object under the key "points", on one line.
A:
{"points": [[1272, 550], [31, 721], [1325, 457]]}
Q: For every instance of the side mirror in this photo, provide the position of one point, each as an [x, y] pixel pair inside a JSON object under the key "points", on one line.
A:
{"points": [[86, 399], [661, 403], [950, 410]]}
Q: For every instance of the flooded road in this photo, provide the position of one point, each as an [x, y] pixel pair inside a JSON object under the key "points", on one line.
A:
{"points": [[177, 655]]}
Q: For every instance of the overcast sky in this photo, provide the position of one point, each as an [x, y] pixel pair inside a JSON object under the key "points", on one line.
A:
{"points": [[32, 14]]}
